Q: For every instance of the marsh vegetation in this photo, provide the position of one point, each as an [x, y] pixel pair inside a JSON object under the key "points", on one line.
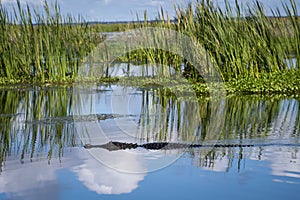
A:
{"points": [[53, 104], [253, 52], [42, 45]]}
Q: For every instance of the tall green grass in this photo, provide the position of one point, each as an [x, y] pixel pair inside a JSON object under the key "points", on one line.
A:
{"points": [[242, 41], [42, 45], [240, 44]]}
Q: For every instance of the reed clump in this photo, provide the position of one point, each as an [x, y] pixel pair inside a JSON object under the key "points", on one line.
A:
{"points": [[242, 44], [245, 43], [42, 45]]}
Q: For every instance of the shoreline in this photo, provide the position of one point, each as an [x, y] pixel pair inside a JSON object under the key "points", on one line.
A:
{"points": [[282, 84]]}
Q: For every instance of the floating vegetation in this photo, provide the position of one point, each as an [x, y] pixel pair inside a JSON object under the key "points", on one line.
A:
{"points": [[277, 83], [286, 82]]}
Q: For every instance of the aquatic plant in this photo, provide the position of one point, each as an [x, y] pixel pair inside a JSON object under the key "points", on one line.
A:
{"points": [[248, 47], [42, 45], [242, 44], [283, 82]]}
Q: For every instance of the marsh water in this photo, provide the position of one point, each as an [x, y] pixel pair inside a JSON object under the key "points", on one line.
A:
{"points": [[43, 130]]}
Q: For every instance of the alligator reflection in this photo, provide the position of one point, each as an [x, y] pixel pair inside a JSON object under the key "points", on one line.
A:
{"points": [[37, 123]]}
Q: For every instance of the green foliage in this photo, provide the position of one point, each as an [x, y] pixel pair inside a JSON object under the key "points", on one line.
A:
{"points": [[283, 83], [252, 52], [42, 46], [243, 45], [286, 82]]}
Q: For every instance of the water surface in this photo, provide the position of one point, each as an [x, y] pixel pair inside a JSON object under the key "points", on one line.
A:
{"points": [[43, 130]]}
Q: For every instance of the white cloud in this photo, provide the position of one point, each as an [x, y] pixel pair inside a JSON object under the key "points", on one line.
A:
{"points": [[104, 180], [35, 179], [21, 181]]}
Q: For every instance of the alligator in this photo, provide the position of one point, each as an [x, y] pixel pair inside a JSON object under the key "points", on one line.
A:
{"points": [[113, 145]]}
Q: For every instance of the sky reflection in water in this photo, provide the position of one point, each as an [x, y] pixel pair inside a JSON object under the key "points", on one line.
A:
{"points": [[246, 173], [79, 175], [253, 173]]}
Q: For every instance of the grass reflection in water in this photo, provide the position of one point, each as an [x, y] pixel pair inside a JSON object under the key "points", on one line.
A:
{"points": [[38, 121]]}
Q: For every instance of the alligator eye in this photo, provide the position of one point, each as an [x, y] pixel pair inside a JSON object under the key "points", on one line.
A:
{"points": [[87, 146]]}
